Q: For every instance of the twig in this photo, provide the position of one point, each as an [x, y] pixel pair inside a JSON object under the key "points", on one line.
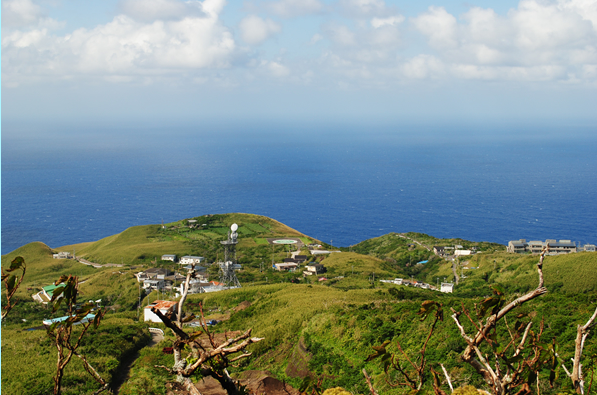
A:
{"points": [[373, 392], [447, 377]]}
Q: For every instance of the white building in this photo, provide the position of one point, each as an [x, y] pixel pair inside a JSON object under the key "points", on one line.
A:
{"points": [[190, 259], [447, 287], [169, 257], [154, 284], [62, 255], [162, 305], [289, 267], [462, 252]]}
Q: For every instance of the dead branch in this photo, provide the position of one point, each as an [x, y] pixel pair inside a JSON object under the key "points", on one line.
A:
{"points": [[373, 392], [500, 380], [447, 377], [582, 332]]}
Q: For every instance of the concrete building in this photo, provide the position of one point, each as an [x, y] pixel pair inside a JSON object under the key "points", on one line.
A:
{"points": [[62, 255], [589, 248], [535, 246], [439, 251], [289, 267], [190, 259], [169, 257], [447, 288], [162, 305], [314, 268]]}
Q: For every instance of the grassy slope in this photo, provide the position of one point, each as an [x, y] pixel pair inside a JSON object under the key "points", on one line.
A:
{"points": [[141, 244], [103, 347], [338, 320]]}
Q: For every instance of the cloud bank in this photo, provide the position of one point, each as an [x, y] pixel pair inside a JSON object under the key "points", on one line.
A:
{"points": [[362, 43]]}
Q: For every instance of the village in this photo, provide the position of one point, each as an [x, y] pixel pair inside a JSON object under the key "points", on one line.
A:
{"points": [[170, 281]]}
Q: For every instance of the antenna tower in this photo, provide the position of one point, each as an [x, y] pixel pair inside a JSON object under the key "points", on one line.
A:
{"points": [[227, 273]]}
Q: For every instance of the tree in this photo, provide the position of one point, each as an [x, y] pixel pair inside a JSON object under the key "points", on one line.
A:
{"points": [[514, 364], [60, 332], [208, 362], [12, 283]]}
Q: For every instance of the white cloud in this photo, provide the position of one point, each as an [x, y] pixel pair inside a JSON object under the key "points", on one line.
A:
{"points": [[537, 41], [363, 8], [391, 21], [19, 13], [294, 8], [439, 26], [151, 10], [340, 34], [423, 66], [122, 47], [254, 30], [278, 69]]}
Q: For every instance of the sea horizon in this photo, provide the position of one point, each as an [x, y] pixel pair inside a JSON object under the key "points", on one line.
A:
{"points": [[339, 184]]}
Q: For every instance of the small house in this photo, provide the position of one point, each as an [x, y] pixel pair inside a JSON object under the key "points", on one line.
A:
{"points": [[439, 251], [191, 259], [288, 266], [169, 257], [62, 255], [157, 284], [447, 288], [314, 268]]}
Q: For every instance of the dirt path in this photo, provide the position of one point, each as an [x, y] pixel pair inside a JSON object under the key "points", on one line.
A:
{"points": [[124, 370], [417, 242]]}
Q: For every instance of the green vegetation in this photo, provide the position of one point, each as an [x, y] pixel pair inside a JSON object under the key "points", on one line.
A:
{"points": [[317, 334]]}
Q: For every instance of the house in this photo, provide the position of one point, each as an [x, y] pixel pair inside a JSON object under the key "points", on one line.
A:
{"points": [[447, 288], [300, 258], [589, 248], [190, 259], [157, 284], [169, 257], [162, 305], [196, 286], [62, 255], [45, 295], [535, 247], [314, 268], [462, 252], [154, 273], [439, 251], [289, 267]]}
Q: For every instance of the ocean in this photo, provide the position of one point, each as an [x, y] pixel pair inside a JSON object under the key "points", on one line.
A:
{"points": [[339, 184]]}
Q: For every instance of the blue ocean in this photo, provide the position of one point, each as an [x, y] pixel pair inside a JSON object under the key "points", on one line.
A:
{"points": [[341, 184]]}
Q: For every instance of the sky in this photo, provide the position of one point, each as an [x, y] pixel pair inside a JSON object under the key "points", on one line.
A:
{"points": [[368, 61]]}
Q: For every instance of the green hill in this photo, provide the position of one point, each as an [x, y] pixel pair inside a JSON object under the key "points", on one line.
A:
{"points": [[317, 333], [142, 244]]}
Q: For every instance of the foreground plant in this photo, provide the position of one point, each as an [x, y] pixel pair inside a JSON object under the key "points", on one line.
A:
{"points": [[61, 332], [212, 361], [413, 372], [12, 282]]}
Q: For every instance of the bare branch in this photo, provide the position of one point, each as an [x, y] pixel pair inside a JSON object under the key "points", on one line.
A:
{"points": [[524, 339], [373, 392], [447, 377]]}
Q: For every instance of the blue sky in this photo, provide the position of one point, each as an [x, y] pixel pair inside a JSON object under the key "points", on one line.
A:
{"points": [[369, 61]]}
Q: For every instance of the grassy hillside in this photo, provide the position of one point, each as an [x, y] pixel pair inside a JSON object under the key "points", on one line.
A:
{"points": [[314, 332], [42, 269], [29, 358], [142, 244]]}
